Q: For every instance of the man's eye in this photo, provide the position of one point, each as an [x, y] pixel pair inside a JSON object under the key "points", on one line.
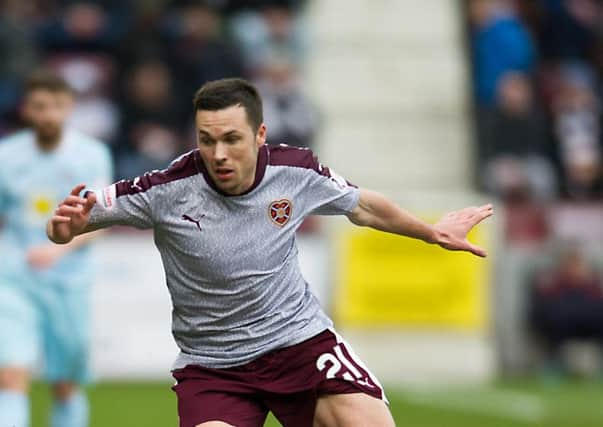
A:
{"points": [[205, 141], [231, 139]]}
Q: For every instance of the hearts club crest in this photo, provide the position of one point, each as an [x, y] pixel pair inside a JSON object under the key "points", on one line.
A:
{"points": [[280, 211]]}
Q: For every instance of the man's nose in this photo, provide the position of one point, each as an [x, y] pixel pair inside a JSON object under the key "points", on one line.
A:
{"points": [[52, 116], [221, 152]]}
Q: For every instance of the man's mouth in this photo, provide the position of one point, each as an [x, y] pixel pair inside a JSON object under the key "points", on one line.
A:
{"points": [[224, 174]]}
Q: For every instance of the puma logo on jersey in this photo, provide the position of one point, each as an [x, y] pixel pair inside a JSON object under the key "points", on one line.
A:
{"points": [[136, 184], [195, 221]]}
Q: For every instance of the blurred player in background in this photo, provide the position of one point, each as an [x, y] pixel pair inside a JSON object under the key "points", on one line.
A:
{"points": [[44, 288], [252, 336]]}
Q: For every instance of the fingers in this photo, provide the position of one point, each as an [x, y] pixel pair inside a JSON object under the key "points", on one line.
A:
{"points": [[60, 219], [464, 245], [77, 189], [67, 210], [483, 212], [90, 201], [476, 250], [486, 209], [72, 200], [474, 213], [72, 205], [477, 210]]}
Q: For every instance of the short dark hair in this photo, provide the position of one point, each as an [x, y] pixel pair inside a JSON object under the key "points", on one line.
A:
{"points": [[46, 80], [224, 93]]}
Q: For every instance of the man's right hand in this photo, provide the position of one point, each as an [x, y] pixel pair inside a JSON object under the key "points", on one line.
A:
{"points": [[71, 216]]}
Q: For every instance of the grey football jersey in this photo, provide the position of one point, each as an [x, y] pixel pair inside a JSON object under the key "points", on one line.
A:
{"points": [[231, 261]]}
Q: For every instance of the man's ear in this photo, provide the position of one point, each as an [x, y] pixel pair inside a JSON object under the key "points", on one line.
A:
{"points": [[260, 137]]}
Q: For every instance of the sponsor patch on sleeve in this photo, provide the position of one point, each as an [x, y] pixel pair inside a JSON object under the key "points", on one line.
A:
{"points": [[108, 196]]}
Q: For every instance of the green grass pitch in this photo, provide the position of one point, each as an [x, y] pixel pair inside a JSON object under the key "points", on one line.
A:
{"points": [[574, 404]]}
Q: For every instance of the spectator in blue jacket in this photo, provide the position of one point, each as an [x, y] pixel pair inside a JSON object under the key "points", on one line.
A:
{"points": [[500, 44]]}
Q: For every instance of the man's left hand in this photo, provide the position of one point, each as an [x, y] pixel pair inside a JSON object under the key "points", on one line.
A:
{"points": [[452, 228]]}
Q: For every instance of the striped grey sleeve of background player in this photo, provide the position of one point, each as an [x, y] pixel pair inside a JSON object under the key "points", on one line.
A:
{"points": [[127, 202]]}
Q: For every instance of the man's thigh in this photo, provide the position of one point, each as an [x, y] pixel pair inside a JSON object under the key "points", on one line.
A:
{"points": [[19, 328], [354, 409]]}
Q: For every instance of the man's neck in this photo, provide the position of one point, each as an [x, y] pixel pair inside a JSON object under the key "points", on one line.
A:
{"points": [[247, 184]]}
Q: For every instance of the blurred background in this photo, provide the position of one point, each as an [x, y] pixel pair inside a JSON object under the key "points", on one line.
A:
{"points": [[439, 104]]}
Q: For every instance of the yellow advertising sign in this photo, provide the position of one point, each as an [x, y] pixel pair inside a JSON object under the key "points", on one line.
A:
{"points": [[388, 280]]}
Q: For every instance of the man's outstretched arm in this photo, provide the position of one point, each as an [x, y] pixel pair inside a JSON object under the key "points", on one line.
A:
{"points": [[450, 232], [71, 217]]}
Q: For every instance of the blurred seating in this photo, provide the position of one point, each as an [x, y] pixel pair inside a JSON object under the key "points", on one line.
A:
{"points": [[514, 148], [152, 119], [576, 121], [537, 80], [537, 74], [273, 29], [565, 306], [290, 116], [136, 64]]}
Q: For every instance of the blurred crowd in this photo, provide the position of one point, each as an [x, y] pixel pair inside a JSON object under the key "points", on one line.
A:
{"points": [[538, 69], [537, 80], [135, 65], [565, 305]]}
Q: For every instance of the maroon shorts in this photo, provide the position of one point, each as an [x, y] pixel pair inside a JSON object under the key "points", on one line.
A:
{"points": [[287, 382]]}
